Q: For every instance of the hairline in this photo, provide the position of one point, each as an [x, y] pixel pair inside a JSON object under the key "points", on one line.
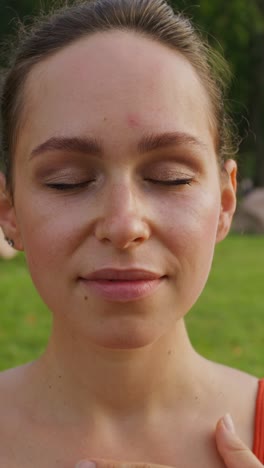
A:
{"points": [[23, 94]]}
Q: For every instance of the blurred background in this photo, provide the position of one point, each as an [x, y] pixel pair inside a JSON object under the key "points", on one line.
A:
{"points": [[226, 323]]}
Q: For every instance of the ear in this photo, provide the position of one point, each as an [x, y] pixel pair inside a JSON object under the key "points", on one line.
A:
{"points": [[228, 198], [8, 220]]}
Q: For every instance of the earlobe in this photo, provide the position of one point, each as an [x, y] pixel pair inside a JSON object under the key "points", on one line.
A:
{"points": [[228, 198], [8, 220]]}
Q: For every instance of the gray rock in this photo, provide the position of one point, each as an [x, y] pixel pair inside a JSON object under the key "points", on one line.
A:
{"points": [[249, 217]]}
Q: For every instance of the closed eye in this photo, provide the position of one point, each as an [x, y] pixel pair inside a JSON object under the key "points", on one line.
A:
{"points": [[66, 186], [171, 182]]}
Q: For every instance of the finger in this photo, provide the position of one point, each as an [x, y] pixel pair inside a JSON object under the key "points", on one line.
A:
{"points": [[233, 451], [115, 464]]}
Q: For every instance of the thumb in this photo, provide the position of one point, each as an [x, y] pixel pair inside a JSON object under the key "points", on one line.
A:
{"points": [[233, 451]]}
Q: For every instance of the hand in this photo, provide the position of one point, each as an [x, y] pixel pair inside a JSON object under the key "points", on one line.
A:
{"points": [[233, 451]]}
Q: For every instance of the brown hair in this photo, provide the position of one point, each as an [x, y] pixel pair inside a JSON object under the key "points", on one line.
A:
{"points": [[151, 18]]}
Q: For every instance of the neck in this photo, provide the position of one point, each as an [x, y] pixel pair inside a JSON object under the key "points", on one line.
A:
{"points": [[117, 382]]}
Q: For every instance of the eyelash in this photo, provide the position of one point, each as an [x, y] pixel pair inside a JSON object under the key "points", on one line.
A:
{"points": [[65, 187], [174, 182]]}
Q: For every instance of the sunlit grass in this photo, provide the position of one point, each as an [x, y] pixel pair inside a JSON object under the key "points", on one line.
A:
{"points": [[225, 325], [24, 320]]}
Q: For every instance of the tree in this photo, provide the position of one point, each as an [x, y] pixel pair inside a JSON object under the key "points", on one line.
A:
{"points": [[237, 28]]}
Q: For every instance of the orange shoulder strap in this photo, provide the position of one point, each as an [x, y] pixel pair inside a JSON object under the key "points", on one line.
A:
{"points": [[258, 447]]}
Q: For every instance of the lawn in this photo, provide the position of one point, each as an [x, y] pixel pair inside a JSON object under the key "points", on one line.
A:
{"points": [[226, 324]]}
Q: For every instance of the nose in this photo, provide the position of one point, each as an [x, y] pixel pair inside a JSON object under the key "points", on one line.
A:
{"points": [[123, 223]]}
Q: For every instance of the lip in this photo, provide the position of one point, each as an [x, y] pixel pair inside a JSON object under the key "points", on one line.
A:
{"points": [[122, 285]]}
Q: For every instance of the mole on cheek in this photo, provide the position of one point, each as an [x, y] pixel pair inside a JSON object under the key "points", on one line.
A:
{"points": [[133, 121]]}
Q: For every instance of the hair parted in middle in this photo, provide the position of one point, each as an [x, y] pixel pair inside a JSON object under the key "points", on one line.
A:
{"points": [[73, 21]]}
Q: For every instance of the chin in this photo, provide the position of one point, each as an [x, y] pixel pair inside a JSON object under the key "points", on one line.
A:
{"points": [[128, 339], [124, 344]]}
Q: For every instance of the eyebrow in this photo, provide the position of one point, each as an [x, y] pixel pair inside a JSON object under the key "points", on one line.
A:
{"points": [[94, 147], [85, 145], [153, 142]]}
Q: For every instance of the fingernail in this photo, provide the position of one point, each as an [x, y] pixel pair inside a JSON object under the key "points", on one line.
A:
{"points": [[228, 423], [85, 464]]}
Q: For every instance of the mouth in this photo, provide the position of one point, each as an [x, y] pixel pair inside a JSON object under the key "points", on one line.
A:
{"points": [[122, 285]]}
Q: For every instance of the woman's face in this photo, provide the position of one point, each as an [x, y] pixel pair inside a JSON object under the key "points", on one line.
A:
{"points": [[116, 177]]}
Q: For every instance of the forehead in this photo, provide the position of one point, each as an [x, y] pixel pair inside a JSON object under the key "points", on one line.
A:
{"points": [[110, 80]]}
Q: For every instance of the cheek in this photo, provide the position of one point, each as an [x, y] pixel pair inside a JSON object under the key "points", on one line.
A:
{"points": [[189, 232], [192, 218], [45, 231], [48, 236]]}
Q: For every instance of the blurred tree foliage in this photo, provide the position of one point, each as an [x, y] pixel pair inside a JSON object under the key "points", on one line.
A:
{"points": [[236, 28]]}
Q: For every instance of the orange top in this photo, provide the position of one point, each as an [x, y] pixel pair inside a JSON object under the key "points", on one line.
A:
{"points": [[258, 447]]}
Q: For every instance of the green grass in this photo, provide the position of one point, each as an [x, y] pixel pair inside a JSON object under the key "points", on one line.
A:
{"points": [[24, 320], [226, 324]]}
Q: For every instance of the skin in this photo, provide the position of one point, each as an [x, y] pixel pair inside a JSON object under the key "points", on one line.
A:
{"points": [[233, 451], [112, 369]]}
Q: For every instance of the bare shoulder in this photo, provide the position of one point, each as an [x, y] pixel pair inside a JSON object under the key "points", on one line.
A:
{"points": [[236, 393], [11, 407], [12, 382], [12, 389], [15, 392], [240, 385]]}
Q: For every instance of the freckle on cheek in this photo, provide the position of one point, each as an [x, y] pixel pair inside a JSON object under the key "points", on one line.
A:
{"points": [[85, 298]]}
